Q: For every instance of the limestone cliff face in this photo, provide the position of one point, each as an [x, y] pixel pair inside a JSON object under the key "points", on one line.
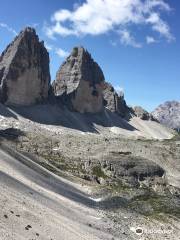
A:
{"points": [[24, 70], [142, 113], [168, 114], [113, 101], [80, 81]]}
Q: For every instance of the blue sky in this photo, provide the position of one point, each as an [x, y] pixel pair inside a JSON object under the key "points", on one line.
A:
{"points": [[136, 42]]}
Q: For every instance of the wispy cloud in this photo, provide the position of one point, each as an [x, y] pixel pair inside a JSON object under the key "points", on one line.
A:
{"points": [[8, 28], [127, 39], [95, 17], [160, 26], [150, 40], [113, 43], [34, 25], [119, 90], [48, 46], [59, 51]]}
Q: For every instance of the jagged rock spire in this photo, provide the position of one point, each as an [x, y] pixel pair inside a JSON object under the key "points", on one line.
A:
{"points": [[81, 81], [24, 70], [113, 101]]}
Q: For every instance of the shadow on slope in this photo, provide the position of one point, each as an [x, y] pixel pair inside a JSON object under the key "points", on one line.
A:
{"points": [[11, 133], [61, 116], [5, 112], [59, 187]]}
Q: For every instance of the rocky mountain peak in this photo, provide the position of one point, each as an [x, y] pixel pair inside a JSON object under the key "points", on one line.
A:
{"points": [[168, 114], [113, 101], [141, 113], [28, 31], [80, 80], [24, 70]]}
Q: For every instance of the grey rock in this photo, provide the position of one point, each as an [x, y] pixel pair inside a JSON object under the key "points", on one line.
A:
{"points": [[24, 70], [168, 114], [142, 113], [114, 101], [79, 82], [132, 170]]}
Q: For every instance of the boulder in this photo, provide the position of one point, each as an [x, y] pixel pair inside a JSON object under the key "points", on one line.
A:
{"points": [[24, 70], [79, 82], [113, 101]]}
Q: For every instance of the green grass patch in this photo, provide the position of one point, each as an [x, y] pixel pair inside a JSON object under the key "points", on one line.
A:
{"points": [[155, 206], [63, 164], [98, 172], [119, 187]]}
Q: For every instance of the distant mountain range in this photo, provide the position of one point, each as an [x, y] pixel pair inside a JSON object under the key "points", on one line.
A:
{"points": [[168, 114]]}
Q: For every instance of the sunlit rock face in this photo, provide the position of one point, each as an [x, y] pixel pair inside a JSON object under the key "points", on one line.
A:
{"points": [[142, 113], [24, 70], [168, 114], [113, 101], [80, 82]]}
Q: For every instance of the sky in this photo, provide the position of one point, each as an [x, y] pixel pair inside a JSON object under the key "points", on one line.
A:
{"points": [[135, 42]]}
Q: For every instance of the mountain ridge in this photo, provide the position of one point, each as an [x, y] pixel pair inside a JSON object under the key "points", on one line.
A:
{"points": [[168, 113]]}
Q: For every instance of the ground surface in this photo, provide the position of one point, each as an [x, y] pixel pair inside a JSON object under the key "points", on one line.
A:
{"points": [[51, 208], [86, 199], [39, 205]]}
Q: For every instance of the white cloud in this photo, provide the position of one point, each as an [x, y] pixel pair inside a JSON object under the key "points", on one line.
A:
{"points": [[150, 40], [119, 90], [35, 25], [48, 46], [158, 3], [61, 53], [127, 39], [113, 43], [95, 17], [160, 26], [8, 28]]}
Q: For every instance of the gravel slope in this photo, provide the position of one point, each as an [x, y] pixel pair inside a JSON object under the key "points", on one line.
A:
{"points": [[41, 206], [56, 120]]}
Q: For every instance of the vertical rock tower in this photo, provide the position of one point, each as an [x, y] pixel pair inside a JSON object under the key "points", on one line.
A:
{"points": [[24, 70], [113, 101], [80, 81]]}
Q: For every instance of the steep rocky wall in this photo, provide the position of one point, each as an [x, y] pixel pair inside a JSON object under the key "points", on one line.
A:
{"points": [[80, 80], [142, 113], [168, 114], [113, 101], [24, 70]]}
